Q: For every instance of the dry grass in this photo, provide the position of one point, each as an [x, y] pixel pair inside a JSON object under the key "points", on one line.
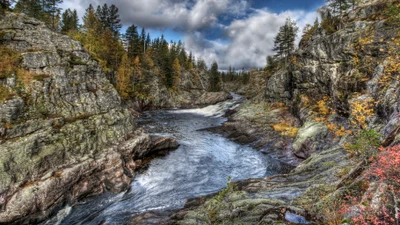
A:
{"points": [[285, 129], [9, 62], [25, 77], [5, 94], [76, 118]]}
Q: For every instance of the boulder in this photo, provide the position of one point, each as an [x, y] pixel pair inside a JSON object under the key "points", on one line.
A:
{"points": [[311, 138], [159, 143]]}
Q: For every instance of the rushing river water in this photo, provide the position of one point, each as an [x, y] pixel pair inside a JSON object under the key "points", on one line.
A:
{"points": [[200, 166]]}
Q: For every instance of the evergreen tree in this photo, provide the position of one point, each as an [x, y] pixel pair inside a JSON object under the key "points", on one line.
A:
{"points": [[51, 7], [201, 64], [189, 64], [166, 64], [338, 6], [285, 40], [143, 40], [215, 84], [89, 19], [69, 21], [113, 21], [148, 41], [271, 63], [102, 14], [176, 72], [132, 41], [5, 5], [31, 8], [183, 56]]}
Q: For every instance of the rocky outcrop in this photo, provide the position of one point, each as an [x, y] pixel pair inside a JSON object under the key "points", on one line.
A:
{"points": [[271, 200], [347, 66], [184, 98], [311, 138], [191, 92], [254, 88], [252, 123], [63, 132], [159, 143]]}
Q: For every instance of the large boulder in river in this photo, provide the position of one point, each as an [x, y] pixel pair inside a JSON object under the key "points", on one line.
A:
{"points": [[159, 143]]}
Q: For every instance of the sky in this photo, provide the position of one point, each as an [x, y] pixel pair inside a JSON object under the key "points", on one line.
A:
{"points": [[236, 33]]}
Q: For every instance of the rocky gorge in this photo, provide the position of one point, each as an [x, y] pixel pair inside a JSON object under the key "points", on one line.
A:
{"points": [[66, 135], [64, 132], [307, 112]]}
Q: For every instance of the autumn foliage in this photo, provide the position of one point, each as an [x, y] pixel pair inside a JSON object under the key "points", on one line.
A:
{"points": [[378, 205], [387, 167], [9, 62]]}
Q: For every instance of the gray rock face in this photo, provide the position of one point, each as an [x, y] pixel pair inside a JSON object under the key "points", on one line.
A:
{"points": [[278, 86], [210, 98], [311, 138], [335, 65], [326, 66], [64, 135]]}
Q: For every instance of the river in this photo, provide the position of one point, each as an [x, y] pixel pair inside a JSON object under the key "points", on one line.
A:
{"points": [[201, 165]]}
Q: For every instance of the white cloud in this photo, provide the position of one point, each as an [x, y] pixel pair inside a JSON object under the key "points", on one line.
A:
{"points": [[245, 42], [188, 15], [251, 39]]}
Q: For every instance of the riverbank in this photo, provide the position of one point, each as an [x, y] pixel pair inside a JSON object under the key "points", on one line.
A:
{"points": [[275, 199], [200, 166]]}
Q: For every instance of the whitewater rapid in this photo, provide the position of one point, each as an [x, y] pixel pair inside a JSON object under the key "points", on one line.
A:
{"points": [[200, 166]]}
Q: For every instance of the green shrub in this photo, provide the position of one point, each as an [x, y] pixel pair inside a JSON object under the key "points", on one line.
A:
{"points": [[219, 203], [392, 12], [330, 25], [365, 144]]}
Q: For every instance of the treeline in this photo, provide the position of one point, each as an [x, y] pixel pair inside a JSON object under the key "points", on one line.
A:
{"points": [[232, 75], [133, 55], [129, 59]]}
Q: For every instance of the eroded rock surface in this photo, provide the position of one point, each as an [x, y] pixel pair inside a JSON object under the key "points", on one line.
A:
{"points": [[328, 66], [64, 134]]}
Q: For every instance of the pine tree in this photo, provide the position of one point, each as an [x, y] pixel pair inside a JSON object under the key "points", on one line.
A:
{"points": [[143, 39], [90, 20], [285, 40], [183, 56], [69, 21], [31, 8], [132, 41], [215, 83], [54, 11], [102, 14], [113, 21], [338, 6], [148, 41], [5, 5]]}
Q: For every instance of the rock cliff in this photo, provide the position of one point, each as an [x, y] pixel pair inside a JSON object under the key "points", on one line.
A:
{"points": [[334, 83], [63, 132]]}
